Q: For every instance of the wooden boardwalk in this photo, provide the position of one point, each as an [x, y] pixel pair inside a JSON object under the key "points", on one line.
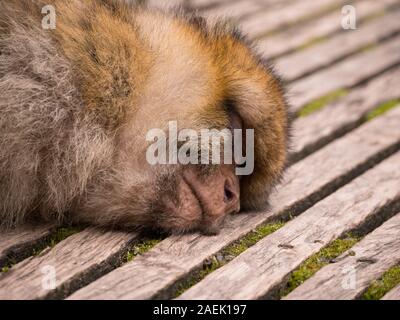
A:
{"points": [[333, 229]]}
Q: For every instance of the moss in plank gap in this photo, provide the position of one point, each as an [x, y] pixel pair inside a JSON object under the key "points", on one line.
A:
{"points": [[375, 15], [381, 109], [209, 266], [229, 253], [387, 282], [59, 235], [141, 247], [252, 238], [5, 269], [311, 43], [302, 20], [322, 102], [8, 265], [368, 47], [314, 263], [319, 40]]}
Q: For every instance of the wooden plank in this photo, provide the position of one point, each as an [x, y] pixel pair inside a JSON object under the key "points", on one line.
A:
{"points": [[238, 9], [302, 63], [334, 120], [394, 294], [18, 243], [304, 184], [267, 21], [290, 39], [261, 269], [165, 4], [204, 4], [365, 262], [234, 10], [346, 74], [75, 261]]}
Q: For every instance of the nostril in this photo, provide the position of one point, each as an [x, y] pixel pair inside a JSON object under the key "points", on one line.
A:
{"points": [[228, 194]]}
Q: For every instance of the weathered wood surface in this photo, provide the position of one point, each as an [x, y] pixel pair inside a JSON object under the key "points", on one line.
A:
{"points": [[353, 271], [340, 117], [234, 10], [89, 255], [264, 267], [345, 74], [294, 37], [204, 4], [241, 8], [306, 61], [394, 294], [209, 5], [19, 242], [75, 261], [267, 21], [165, 4], [304, 184]]}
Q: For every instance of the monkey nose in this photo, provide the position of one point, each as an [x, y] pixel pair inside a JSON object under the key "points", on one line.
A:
{"points": [[231, 197], [219, 195]]}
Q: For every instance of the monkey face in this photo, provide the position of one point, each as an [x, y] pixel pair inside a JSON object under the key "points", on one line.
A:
{"points": [[175, 197]]}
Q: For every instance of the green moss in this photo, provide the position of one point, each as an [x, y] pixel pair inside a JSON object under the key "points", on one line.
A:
{"points": [[314, 263], [381, 109], [368, 47], [387, 282], [8, 265], [208, 267], [312, 43], [322, 102], [301, 20], [252, 238], [59, 235], [228, 254], [56, 237], [5, 269], [140, 248], [374, 16]]}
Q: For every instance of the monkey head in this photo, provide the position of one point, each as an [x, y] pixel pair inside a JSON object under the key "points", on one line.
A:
{"points": [[136, 70], [202, 76]]}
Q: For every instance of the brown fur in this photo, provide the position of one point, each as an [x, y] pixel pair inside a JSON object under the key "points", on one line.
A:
{"points": [[77, 102]]}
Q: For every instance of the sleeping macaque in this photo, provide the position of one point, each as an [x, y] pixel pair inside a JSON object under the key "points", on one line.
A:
{"points": [[79, 94]]}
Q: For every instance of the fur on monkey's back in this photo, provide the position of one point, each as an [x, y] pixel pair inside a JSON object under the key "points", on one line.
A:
{"points": [[49, 147]]}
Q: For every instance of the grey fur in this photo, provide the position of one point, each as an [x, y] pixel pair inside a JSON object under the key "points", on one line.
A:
{"points": [[48, 149]]}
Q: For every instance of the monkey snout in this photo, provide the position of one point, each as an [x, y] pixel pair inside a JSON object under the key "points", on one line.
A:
{"points": [[231, 196], [218, 194], [202, 201]]}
